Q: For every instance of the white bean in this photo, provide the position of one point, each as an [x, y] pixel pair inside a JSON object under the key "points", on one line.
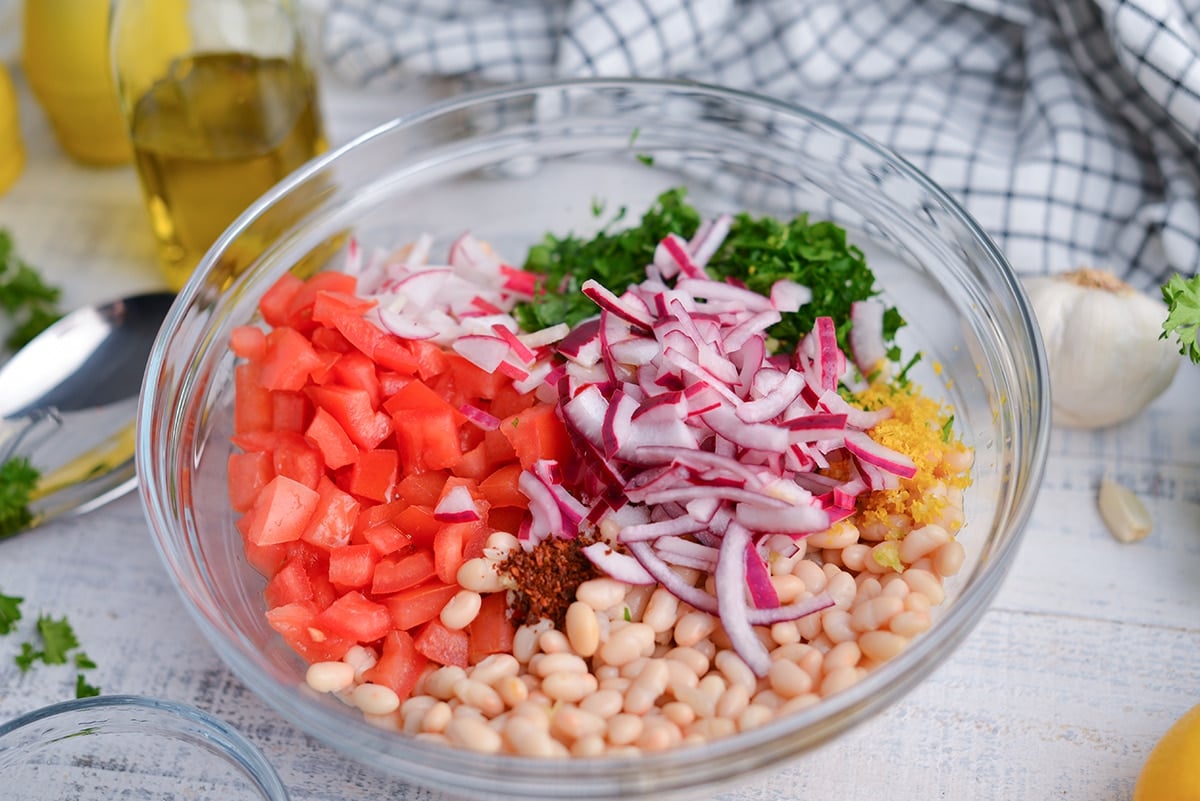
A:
{"points": [[437, 718], [661, 611], [512, 690], [623, 728], [375, 699], [881, 645], [949, 558], [875, 613], [441, 682], [601, 593], [475, 735], [735, 670], [788, 679], [604, 703], [694, 627], [460, 610], [583, 628], [571, 722], [495, 666], [329, 677], [571, 687], [479, 695], [554, 641], [480, 575], [922, 541]]}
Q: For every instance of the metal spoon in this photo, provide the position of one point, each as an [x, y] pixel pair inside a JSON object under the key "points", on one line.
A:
{"points": [[68, 401]]}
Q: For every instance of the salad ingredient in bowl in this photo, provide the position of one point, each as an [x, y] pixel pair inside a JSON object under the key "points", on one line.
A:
{"points": [[673, 520], [512, 165]]}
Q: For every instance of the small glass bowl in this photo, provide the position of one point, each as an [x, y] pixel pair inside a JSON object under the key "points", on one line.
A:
{"points": [[130, 746], [511, 165]]}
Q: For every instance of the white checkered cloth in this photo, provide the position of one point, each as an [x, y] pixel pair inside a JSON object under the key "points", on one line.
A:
{"points": [[1069, 128]]}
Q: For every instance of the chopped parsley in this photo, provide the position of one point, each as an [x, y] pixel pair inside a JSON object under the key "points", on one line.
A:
{"points": [[58, 644], [758, 251], [17, 481], [10, 612], [25, 298], [948, 429]]}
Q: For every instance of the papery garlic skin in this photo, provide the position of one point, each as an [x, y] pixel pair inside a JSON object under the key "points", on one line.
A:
{"points": [[1102, 342]]}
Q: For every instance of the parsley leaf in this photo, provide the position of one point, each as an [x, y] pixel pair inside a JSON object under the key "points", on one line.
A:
{"points": [[24, 296], [58, 638], [10, 612], [83, 689], [1183, 319], [27, 657], [83, 661], [17, 480]]}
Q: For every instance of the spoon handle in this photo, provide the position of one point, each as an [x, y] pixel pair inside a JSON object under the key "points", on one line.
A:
{"points": [[14, 431]]}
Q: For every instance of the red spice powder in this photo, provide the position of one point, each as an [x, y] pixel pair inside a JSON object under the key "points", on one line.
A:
{"points": [[546, 578]]}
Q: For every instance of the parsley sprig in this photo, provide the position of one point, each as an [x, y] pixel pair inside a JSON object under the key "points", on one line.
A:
{"points": [[1183, 319], [758, 251], [17, 481], [25, 298]]}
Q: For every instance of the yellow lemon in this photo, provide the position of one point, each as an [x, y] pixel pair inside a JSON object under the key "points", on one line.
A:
{"points": [[1172, 771], [12, 152]]}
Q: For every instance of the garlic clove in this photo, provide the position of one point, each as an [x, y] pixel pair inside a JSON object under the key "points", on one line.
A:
{"points": [[1105, 356], [1123, 511]]}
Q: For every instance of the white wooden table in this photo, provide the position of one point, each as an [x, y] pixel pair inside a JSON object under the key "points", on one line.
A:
{"points": [[1089, 653]]}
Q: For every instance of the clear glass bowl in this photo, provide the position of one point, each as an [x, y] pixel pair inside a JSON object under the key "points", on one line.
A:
{"points": [[130, 746], [511, 165]]}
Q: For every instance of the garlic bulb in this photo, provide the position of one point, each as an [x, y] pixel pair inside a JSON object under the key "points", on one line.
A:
{"points": [[1102, 342]]}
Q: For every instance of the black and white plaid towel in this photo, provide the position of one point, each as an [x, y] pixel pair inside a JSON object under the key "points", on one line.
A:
{"points": [[1069, 128]]}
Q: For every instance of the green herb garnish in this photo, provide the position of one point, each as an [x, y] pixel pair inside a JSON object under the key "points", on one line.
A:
{"points": [[83, 689], [1183, 319], [948, 429], [27, 300], [17, 481], [757, 252], [10, 612]]}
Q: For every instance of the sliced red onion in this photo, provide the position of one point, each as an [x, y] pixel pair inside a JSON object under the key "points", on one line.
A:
{"points": [[730, 580], [794, 520], [519, 348], [620, 306], [870, 451], [771, 405], [482, 350], [708, 239], [758, 580], [788, 296], [752, 436], [485, 420], [401, 325], [721, 291], [617, 565], [866, 336], [456, 507]]}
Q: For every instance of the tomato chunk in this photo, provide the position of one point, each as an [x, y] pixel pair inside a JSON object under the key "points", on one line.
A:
{"points": [[355, 617], [442, 645], [491, 632], [416, 605], [282, 511], [400, 664], [295, 622], [395, 574]]}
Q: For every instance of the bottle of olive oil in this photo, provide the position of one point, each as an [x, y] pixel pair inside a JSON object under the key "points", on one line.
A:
{"points": [[211, 136]]}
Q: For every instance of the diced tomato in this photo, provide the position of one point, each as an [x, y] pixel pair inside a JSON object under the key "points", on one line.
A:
{"points": [[252, 408], [276, 301], [329, 339], [417, 396], [538, 433], [476, 540], [282, 511], [507, 518], [390, 383], [356, 617], [395, 574], [247, 474], [474, 464], [374, 474], [290, 360], [427, 438], [387, 539], [448, 548], [333, 520], [289, 584], [501, 487], [416, 605], [399, 666], [248, 342], [431, 359], [362, 334], [353, 410], [442, 645], [424, 489], [290, 410], [417, 521], [491, 632], [394, 355], [296, 623], [355, 370], [352, 565], [337, 449], [376, 514], [499, 449], [296, 459], [509, 402], [327, 304], [472, 383], [301, 308]]}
